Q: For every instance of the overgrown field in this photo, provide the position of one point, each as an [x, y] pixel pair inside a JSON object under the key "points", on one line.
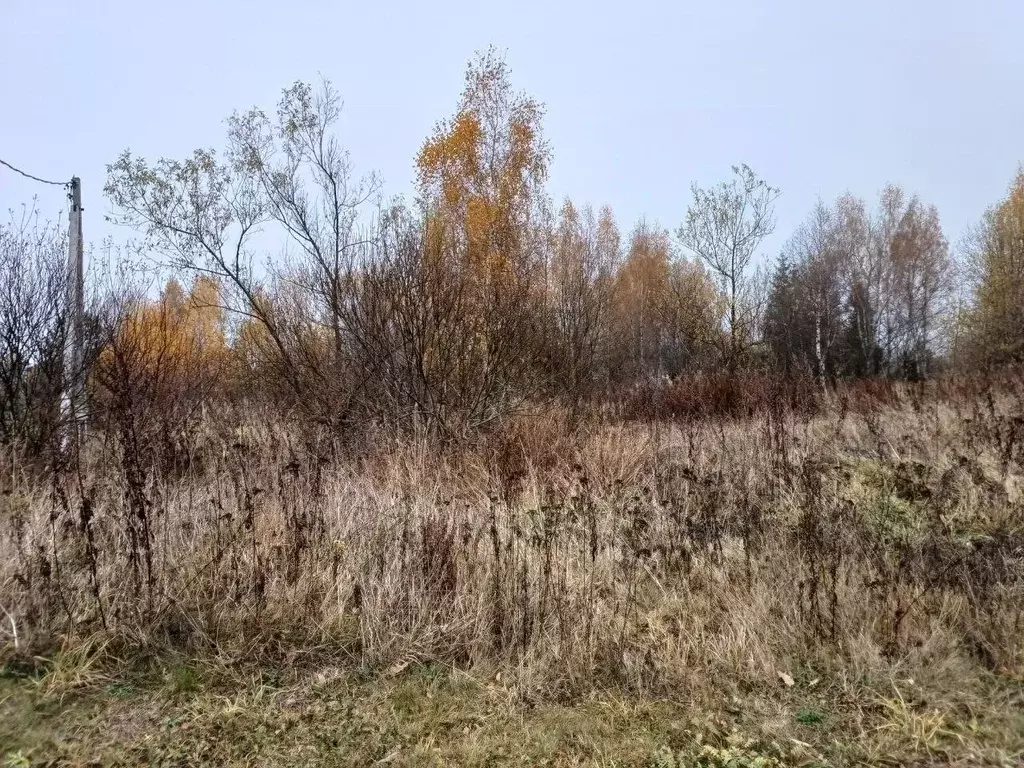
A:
{"points": [[837, 588]]}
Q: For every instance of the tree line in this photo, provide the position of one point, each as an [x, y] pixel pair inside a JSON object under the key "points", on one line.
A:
{"points": [[481, 296]]}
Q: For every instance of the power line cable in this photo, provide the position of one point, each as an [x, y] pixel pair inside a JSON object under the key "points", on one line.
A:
{"points": [[34, 178]]}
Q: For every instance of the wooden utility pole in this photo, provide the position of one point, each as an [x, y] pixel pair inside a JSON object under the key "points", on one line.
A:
{"points": [[74, 357]]}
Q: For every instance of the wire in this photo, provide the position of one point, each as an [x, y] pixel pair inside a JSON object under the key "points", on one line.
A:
{"points": [[34, 178]]}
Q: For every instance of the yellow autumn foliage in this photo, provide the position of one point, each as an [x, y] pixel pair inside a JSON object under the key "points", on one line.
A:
{"points": [[481, 172], [177, 334], [996, 324]]}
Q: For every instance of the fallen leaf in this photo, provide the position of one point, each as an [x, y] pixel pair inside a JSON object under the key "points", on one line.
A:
{"points": [[398, 668]]}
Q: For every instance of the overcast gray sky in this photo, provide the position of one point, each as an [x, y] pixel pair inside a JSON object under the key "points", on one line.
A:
{"points": [[643, 98]]}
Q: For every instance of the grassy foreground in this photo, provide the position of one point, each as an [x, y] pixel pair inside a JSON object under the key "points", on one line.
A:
{"points": [[843, 588], [169, 712]]}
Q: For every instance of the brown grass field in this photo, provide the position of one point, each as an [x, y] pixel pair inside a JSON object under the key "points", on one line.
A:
{"points": [[841, 585]]}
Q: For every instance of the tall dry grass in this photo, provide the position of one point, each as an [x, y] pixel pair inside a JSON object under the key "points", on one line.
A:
{"points": [[649, 554]]}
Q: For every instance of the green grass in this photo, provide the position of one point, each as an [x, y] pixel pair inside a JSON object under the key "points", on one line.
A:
{"points": [[809, 717], [431, 715]]}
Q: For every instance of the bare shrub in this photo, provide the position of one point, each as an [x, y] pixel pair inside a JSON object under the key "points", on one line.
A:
{"points": [[33, 331], [710, 396]]}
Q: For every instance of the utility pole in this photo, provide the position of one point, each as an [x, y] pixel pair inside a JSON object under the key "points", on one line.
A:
{"points": [[74, 357]]}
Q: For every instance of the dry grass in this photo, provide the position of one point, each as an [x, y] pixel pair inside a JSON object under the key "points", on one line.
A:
{"points": [[851, 581]]}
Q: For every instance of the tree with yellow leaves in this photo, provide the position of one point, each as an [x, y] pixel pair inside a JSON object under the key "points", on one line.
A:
{"points": [[669, 312], [475, 272], [642, 295], [696, 310], [995, 261], [186, 330], [169, 352], [481, 173]]}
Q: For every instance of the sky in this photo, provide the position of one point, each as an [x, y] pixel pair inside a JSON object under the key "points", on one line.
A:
{"points": [[643, 98]]}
